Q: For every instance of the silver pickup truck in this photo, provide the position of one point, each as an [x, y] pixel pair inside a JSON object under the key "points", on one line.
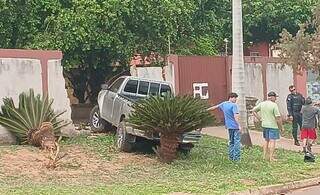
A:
{"points": [[114, 106]]}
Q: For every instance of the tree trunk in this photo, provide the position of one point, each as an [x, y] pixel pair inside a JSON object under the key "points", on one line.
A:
{"points": [[43, 137], [168, 147], [238, 80]]}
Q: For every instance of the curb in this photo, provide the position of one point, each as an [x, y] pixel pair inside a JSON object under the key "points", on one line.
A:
{"points": [[280, 188]]}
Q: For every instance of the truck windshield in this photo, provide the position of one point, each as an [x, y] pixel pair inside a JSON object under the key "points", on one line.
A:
{"points": [[116, 85], [131, 86], [165, 89]]}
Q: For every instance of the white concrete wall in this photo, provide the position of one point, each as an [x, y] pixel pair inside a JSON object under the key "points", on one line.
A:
{"points": [[154, 73], [16, 76], [278, 80], [58, 92], [313, 85], [169, 74], [253, 81]]}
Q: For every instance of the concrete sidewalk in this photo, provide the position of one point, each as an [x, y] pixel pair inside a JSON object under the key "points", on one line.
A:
{"points": [[257, 139]]}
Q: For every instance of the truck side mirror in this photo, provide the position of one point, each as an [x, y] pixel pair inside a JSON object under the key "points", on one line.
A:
{"points": [[104, 86]]}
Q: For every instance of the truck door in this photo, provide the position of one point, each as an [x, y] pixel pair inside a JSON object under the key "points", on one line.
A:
{"points": [[130, 90], [109, 99]]}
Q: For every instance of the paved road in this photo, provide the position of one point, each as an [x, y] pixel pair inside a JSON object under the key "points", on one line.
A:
{"points": [[256, 137], [306, 191]]}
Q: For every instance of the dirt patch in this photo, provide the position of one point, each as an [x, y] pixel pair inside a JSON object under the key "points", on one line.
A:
{"points": [[78, 166]]}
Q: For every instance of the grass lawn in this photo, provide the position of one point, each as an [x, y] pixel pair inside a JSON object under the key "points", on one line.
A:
{"points": [[206, 170]]}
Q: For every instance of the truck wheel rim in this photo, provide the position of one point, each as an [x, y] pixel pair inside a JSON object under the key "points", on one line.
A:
{"points": [[120, 137], [96, 120]]}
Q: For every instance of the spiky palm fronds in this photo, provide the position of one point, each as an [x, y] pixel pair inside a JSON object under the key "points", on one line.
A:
{"points": [[170, 114], [30, 114]]}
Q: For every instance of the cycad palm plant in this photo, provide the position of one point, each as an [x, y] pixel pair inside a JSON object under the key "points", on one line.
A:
{"points": [[33, 121], [170, 117]]}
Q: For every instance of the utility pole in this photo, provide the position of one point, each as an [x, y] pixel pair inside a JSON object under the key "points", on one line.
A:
{"points": [[238, 77]]}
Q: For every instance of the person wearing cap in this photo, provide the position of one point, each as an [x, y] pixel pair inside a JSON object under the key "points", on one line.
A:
{"points": [[231, 118], [308, 130], [271, 123], [294, 104]]}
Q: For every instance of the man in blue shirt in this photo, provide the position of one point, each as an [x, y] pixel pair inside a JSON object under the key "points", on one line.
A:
{"points": [[231, 118]]}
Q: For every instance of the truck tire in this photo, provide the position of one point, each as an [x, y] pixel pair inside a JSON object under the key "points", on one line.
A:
{"points": [[97, 124], [122, 138], [185, 148]]}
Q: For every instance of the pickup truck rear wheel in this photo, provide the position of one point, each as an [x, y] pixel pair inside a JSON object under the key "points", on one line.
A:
{"points": [[97, 124], [185, 148], [122, 138]]}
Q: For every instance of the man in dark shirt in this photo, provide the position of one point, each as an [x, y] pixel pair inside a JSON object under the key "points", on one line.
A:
{"points": [[294, 104]]}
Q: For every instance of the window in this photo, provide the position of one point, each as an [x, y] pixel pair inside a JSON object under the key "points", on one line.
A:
{"points": [[116, 85], [165, 89], [143, 88], [154, 89], [131, 86]]}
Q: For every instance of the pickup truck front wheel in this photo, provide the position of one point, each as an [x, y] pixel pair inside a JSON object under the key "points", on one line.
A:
{"points": [[97, 124], [122, 138]]}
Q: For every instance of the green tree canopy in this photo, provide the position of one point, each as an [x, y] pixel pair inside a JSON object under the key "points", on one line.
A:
{"points": [[99, 32], [22, 20], [264, 20], [302, 50], [94, 34]]}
